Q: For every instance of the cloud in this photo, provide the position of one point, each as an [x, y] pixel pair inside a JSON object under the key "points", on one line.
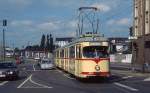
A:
{"points": [[120, 22], [19, 2], [48, 26], [21, 23], [124, 21], [72, 24], [62, 3], [14, 5], [55, 27], [102, 7]]}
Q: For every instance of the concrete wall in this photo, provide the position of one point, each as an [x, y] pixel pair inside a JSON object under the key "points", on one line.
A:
{"points": [[122, 58]]}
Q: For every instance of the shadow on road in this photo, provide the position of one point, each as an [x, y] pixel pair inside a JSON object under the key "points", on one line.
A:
{"points": [[101, 80]]}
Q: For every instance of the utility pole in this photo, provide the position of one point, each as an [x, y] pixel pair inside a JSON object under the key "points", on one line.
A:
{"points": [[4, 25]]}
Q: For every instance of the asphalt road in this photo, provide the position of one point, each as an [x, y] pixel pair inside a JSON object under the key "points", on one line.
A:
{"points": [[34, 80]]}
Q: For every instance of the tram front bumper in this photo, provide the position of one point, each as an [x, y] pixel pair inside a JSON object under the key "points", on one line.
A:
{"points": [[101, 74]]}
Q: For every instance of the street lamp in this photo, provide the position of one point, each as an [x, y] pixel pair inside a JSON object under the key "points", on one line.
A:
{"points": [[4, 25]]}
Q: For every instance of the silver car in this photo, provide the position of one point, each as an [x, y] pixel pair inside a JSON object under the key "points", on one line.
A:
{"points": [[46, 64]]}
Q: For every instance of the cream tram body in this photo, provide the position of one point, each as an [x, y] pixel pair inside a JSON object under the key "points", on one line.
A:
{"points": [[84, 59]]}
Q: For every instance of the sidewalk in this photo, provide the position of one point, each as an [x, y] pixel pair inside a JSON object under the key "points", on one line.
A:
{"points": [[120, 66], [126, 68]]}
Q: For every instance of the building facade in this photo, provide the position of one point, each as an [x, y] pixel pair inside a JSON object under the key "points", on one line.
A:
{"points": [[119, 45], [141, 31], [60, 42]]}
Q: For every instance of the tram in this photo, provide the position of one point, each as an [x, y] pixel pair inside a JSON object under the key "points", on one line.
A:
{"points": [[85, 57]]}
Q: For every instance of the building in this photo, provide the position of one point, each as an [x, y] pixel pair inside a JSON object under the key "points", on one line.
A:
{"points": [[9, 52], [141, 33], [119, 45], [60, 42], [120, 50]]}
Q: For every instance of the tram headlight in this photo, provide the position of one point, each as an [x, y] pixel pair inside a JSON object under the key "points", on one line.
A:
{"points": [[97, 68]]}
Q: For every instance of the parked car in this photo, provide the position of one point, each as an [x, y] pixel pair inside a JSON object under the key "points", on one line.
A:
{"points": [[46, 64], [8, 70]]}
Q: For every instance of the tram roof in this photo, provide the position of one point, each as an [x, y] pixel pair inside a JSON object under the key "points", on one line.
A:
{"points": [[87, 39], [91, 39]]}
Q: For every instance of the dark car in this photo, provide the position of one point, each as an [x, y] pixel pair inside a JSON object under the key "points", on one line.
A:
{"points": [[8, 70]]}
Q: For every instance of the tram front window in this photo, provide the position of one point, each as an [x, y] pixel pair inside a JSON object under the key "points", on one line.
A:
{"points": [[95, 52]]}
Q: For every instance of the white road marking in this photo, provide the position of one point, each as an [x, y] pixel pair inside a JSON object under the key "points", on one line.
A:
{"points": [[42, 86], [3, 83], [126, 87], [33, 87], [68, 76], [147, 79], [24, 82], [41, 70], [59, 71], [126, 77], [33, 82]]}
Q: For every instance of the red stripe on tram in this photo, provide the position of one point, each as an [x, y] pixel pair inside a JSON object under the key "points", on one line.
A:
{"points": [[97, 60], [96, 73]]}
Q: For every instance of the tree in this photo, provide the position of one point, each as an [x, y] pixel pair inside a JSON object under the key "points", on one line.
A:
{"points": [[51, 43], [42, 45], [48, 43], [131, 31]]}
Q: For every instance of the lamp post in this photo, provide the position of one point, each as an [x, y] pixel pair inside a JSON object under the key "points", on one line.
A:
{"points": [[4, 25]]}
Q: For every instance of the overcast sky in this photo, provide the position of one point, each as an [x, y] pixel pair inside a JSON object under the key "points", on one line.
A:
{"points": [[29, 19]]}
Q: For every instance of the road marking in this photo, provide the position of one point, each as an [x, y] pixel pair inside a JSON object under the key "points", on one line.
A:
{"points": [[34, 87], [24, 68], [42, 86], [33, 82], [24, 82], [124, 86], [68, 76], [59, 71], [126, 77], [41, 70], [33, 67], [3, 83], [147, 79]]}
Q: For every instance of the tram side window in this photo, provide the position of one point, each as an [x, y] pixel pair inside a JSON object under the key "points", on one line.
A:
{"points": [[57, 54], [62, 54], [78, 52], [72, 52]]}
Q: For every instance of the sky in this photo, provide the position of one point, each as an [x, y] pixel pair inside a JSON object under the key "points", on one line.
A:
{"points": [[29, 19]]}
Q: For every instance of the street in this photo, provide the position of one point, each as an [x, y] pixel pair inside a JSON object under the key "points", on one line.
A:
{"points": [[34, 80]]}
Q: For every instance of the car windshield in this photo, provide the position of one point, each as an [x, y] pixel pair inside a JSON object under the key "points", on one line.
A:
{"points": [[7, 65], [95, 52], [46, 62]]}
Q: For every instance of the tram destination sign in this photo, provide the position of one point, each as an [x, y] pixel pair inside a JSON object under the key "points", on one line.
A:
{"points": [[96, 44]]}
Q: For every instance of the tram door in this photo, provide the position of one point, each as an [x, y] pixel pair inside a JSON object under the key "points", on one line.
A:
{"points": [[78, 56]]}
